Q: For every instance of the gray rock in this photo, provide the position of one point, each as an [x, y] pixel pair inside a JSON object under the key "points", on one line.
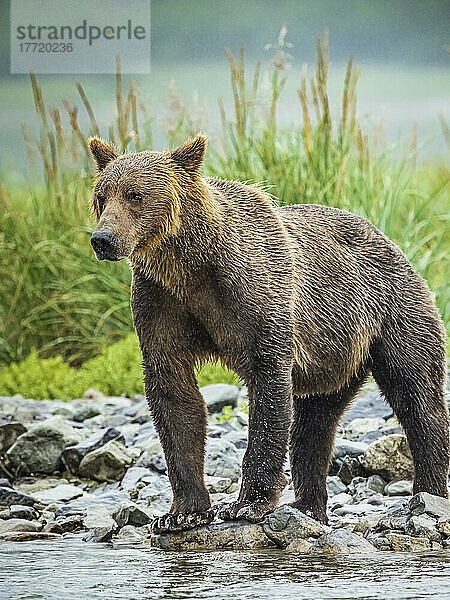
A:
{"points": [[19, 525], [134, 475], [376, 483], [99, 522], [157, 494], [62, 525], [302, 546], [341, 541], [389, 457], [153, 458], [19, 511], [111, 499], [399, 488], [350, 468], [443, 526], [31, 485], [138, 407], [222, 459], [9, 432], [86, 410], [357, 509], [107, 463], [115, 421], [433, 505], [423, 526], [130, 513], [287, 524], [217, 485], [339, 500], [145, 434], [8, 496], [363, 425], [396, 518], [28, 536], [5, 482], [335, 486], [378, 540], [129, 535], [219, 395], [60, 493], [40, 448], [344, 448], [216, 430], [217, 536], [238, 438], [406, 543], [72, 456], [369, 403]]}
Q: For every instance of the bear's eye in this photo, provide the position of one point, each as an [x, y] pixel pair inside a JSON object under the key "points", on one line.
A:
{"points": [[134, 197], [101, 199]]}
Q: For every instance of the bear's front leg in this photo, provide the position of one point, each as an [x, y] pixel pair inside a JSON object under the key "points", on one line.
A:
{"points": [[180, 418], [270, 413]]}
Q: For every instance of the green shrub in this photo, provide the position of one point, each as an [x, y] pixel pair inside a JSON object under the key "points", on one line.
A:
{"points": [[117, 370], [39, 378]]}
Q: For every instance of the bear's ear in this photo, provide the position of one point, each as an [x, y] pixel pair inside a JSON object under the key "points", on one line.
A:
{"points": [[190, 154], [103, 152]]}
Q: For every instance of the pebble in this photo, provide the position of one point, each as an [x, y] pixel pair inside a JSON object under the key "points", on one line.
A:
{"points": [[105, 480]]}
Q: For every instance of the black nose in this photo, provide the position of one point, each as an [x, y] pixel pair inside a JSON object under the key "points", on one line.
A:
{"points": [[103, 243]]}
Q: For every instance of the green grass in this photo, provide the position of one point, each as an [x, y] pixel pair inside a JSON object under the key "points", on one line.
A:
{"points": [[57, 301], [117, 370]]}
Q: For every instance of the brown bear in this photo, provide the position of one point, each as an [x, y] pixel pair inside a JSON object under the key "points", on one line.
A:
{"points": [[302, 301]]}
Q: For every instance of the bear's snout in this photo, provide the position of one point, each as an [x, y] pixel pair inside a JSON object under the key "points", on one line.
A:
{"points": [[104, 244]]}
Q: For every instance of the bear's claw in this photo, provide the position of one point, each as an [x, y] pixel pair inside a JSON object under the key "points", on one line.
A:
{"points": [[248, 511], [172, 523]]}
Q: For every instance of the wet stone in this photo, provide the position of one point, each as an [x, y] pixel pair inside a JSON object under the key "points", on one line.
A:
{"points": [[19, 525], [100, 524], [432, 505], [406, 543], [9, 432], [335, 486], [423, 526], [19, 511], [218, 536], [389, 457], [286, 524], [403, 487], [219, 395], [222, 459], [65, 524], [107, 463], [72, 456], [341, 541], [28, 536], [9, 496], [130, 513], [60, 493]]}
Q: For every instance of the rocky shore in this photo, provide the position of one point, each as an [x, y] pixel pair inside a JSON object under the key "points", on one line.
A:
{"points": [[94, 468]]}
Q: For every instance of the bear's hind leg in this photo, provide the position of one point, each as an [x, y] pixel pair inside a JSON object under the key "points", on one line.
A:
{"points": [[311, 443], [411, 376]]}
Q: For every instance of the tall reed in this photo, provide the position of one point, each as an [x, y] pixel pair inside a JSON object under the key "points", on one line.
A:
{"points": [[54, 298]]}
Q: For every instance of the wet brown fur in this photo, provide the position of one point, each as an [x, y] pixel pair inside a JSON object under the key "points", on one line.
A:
{"points": [[303, 302]]}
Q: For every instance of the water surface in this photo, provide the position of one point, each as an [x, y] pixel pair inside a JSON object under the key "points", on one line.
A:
{"points": [[71, 570]]}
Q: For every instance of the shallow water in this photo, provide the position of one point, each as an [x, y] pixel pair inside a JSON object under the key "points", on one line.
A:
{"points": [[70, 569]]}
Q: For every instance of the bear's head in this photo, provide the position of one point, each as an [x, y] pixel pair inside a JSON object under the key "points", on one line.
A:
{"points": [[137, 196]]}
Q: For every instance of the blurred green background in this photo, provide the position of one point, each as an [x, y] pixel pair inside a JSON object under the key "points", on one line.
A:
{"points": [[400, 45]]}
